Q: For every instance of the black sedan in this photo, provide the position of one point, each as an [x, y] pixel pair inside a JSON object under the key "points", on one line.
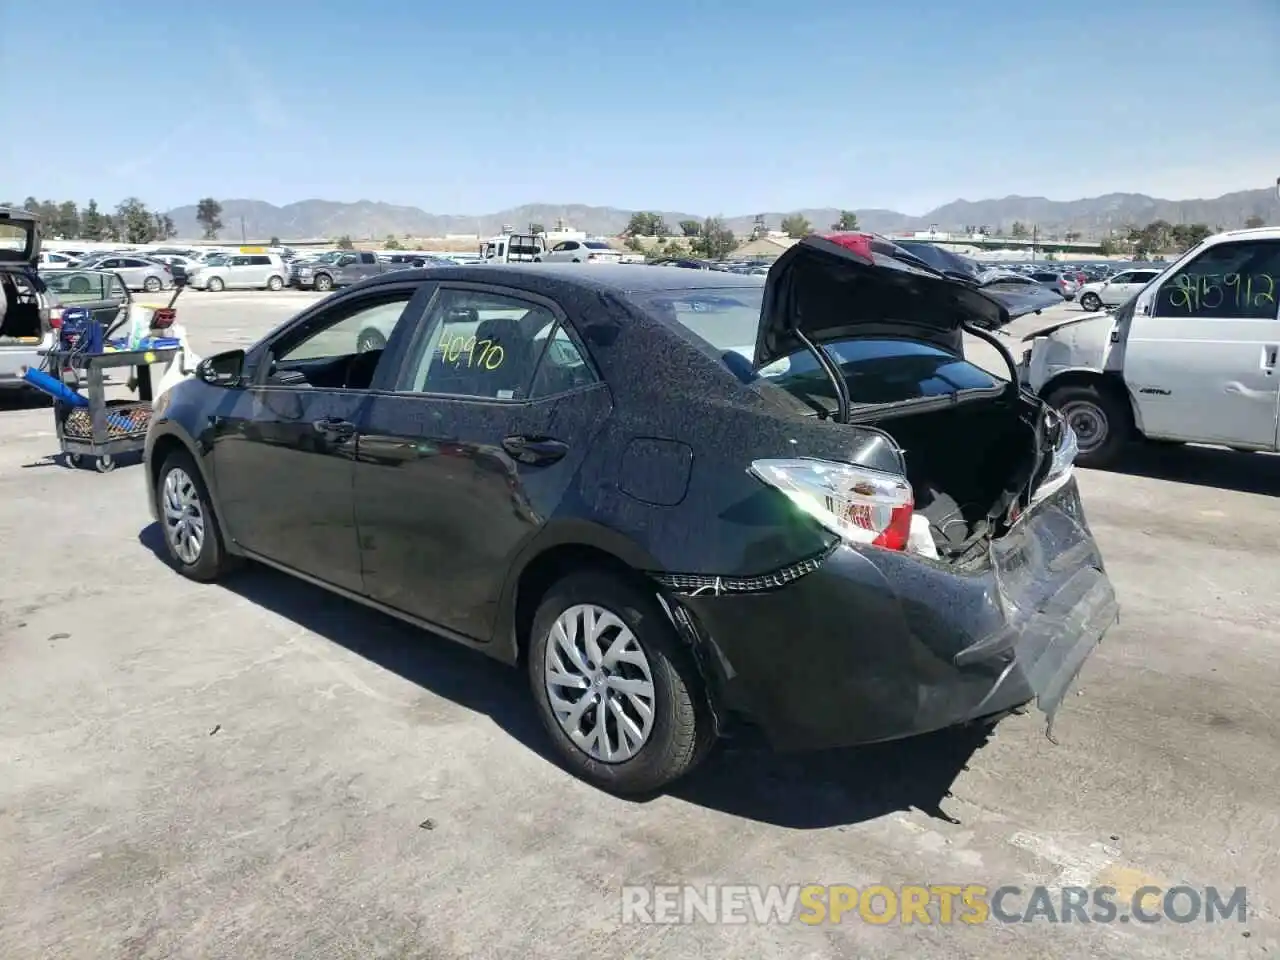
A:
{"points": [[680, 499]]}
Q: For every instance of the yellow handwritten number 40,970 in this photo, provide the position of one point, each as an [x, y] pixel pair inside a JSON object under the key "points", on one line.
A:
{"points": [[482, 354], [1213, 291]]}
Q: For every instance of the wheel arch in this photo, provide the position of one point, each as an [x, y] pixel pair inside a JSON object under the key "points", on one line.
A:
{"points": [[166, 443], [1111, 383]]}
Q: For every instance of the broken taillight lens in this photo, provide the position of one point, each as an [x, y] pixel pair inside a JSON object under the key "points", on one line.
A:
{"points": [[860, 505]]}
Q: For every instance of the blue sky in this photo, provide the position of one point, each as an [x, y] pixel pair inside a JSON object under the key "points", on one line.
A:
{"points": [[730, 107]]}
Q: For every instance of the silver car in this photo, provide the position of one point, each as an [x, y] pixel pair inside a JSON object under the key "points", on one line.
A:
{"points": [[244, 271], [138, 273]]}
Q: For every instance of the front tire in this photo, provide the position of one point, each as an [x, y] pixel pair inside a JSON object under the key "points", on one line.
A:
{"points": [[216, 285], [324, 283], [192, 534], [1091, 302], [1103, 424], [152, 285], [618, 693]]}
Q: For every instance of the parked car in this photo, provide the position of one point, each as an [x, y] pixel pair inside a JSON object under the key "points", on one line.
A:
{"points": [[1063, 285], [582, 251], [721, 537], [137, 273], [239, 271], [338, 269], [1115, 290], [52, 260], [28, 312], [1190, 356]]}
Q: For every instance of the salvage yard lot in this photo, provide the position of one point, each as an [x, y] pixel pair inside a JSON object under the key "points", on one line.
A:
{"points": [[258, 769]]}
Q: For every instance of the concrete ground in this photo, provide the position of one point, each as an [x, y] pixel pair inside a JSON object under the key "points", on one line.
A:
{"points": [[260, 770]]}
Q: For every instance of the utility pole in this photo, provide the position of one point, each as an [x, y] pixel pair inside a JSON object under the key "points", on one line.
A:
{"points": [[243, 239], [1035, 235]]}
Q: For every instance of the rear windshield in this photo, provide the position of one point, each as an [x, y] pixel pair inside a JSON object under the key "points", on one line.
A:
{"points": [[725, 317], [16, 240], [881, 371], [596, 245]]}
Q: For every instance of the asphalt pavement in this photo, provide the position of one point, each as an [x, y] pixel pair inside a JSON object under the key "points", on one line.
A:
{"points": [[261, 770]]}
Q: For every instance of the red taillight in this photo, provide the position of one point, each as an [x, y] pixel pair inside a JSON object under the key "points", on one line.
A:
{"points": [[163, 317], [859, 243], [55, 318]]}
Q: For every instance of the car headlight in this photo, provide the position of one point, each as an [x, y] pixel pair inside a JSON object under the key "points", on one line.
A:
{"points": [[304, 272], [1062, 466]]}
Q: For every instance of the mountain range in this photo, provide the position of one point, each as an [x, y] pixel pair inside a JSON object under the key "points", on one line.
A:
{"points": [[367, 219]]}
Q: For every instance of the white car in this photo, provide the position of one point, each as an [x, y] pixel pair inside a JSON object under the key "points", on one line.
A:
{"points": [[1192, 358], [1116, 290], [49, 260], [582, 251], [244, 271]]}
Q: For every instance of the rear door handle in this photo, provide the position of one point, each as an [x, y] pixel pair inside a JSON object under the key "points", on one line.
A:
{"points": [[537, 451], [1269, 358], [334, 427]]}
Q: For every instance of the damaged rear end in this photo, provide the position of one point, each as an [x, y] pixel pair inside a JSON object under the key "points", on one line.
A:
{"points": [[962, 579]]}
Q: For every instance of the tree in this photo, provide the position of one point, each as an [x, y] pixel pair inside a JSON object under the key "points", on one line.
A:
{"points": [[1071, 236], [1254, 222], [274, 241], [645, 224], [715, 241], [537, 228], [164, 228], [690, 228], [1018, 230], [209, 215], [796, 226], [92, 226], [1108, 247], [391, 243], [344, 243], [137, 225], [848, 221], [67, 222]]}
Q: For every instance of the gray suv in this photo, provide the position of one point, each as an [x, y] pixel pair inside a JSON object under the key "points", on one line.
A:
{"points": [[339, 269]]}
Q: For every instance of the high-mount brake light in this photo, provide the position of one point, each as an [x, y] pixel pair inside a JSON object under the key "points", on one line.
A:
{"points": [[859, 243], [858, 504]]}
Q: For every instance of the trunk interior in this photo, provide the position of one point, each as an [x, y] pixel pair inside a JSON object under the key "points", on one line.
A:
{"points": [[967, 465], [21, 320]]}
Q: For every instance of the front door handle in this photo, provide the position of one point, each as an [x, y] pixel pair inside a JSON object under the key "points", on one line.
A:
{"points": [[334, 427], [536, 451], [1269, 353]]}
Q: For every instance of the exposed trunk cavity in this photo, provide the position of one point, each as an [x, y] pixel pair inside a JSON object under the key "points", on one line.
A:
{"points": [[968, 465]]}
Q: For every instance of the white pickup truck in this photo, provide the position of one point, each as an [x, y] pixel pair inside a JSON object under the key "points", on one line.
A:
{"points": [[1190, 359]]}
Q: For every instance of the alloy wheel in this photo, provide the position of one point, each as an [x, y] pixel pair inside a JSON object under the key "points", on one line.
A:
{"points": [[599, 683], [184, 525]]}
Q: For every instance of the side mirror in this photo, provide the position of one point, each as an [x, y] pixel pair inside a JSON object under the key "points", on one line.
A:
{"points": [[222, 369]]}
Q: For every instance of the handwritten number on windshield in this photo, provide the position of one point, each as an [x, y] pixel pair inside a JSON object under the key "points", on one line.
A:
{"points": [[1216, 291], [464, 351]]}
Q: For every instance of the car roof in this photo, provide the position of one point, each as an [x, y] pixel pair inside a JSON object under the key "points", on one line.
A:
{"points": [[617, 278]]}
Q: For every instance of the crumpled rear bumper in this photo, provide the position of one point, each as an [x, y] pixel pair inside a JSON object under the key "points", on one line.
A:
{"points": [[875, 645]]}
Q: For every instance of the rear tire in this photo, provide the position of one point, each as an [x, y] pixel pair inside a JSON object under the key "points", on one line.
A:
{"points": [[1091, 302], [275, 284], [197, 550], [216, 285], [671, 726], [1102, 422]]}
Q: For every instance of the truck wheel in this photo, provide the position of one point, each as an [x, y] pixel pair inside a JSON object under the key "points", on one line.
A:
{"points": [[1091, 302], [324, 282], [275, 283], [1102, 422], [619, 695]]}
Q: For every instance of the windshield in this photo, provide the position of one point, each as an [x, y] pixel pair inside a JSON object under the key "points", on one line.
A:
{"points": [[725, 317]]}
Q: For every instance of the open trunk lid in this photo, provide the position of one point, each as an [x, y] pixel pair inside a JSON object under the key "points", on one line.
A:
{"points": [[895, 292], [19, 237]]}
